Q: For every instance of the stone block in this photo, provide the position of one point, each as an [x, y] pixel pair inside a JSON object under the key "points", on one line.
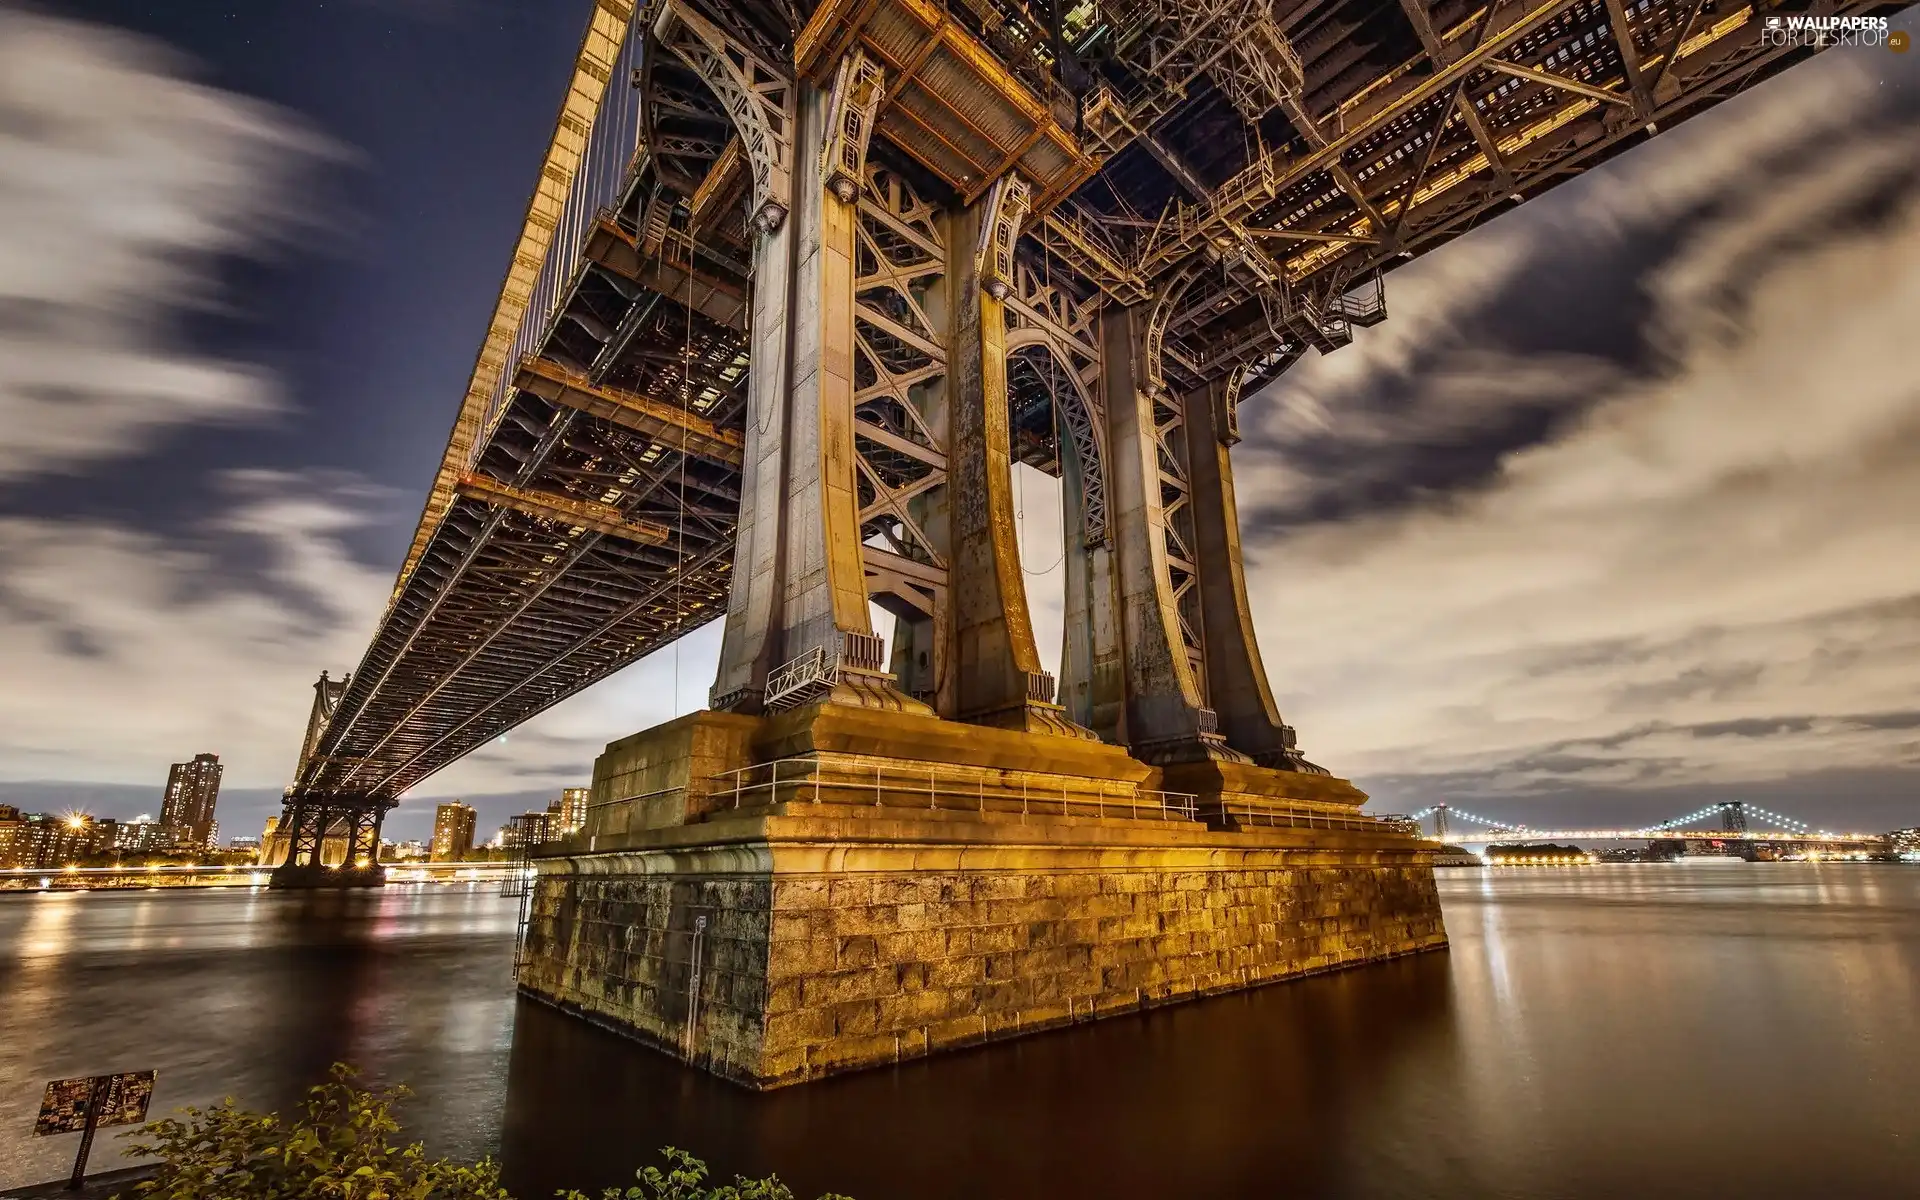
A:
{"points": [[857, 951], [956, 1032]]}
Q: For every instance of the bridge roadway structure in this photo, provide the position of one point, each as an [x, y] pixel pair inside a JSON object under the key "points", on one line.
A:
{"points": [[1633, 835], [800, 281], [1735, 817]]}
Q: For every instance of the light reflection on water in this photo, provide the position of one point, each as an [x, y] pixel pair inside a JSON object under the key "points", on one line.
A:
{"points": [[1652, 1030]]}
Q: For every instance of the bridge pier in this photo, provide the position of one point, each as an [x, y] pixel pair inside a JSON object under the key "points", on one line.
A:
{"points": [[345, 830], [781, 898], [316, 823], [850, 861]]}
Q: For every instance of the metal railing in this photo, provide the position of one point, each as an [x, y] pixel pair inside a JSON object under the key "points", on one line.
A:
{"points": [[809, 781], [1245, 814]]}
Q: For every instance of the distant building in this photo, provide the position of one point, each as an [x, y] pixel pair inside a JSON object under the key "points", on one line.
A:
{"points": [[245, 844], [43, 840], [142, 835], [570, 814], [1905, 844], [12, 837], [193, 788], [452, 831], [526, 831]]}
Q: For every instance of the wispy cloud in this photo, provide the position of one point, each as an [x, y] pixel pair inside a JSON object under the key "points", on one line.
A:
{"points": [[141, 650], [122, 187]]}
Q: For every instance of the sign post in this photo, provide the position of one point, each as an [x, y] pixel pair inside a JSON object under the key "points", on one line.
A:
{"points": [[85, 1104]]}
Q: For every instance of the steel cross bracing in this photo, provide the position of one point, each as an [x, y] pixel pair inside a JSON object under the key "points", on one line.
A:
{"points": [[1249, 170], [1413, 122]]}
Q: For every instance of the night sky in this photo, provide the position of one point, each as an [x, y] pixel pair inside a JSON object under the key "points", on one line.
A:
{"points": [[1614, 516]]}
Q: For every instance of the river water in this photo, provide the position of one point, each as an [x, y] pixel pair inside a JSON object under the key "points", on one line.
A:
{"points": [[1742, 1030]]}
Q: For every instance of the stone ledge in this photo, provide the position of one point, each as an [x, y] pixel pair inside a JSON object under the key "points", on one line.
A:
{"points": [[854, 825]]}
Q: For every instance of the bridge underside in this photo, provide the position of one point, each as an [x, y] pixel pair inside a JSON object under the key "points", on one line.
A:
{"points": [[788, 307]]}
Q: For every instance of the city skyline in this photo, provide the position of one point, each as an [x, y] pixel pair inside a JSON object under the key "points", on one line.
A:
{"points": [[1558, 532]]}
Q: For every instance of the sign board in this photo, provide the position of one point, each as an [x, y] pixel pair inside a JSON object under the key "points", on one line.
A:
{"points": [[70, 1105]]}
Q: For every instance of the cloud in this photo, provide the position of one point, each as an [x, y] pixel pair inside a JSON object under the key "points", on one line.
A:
{"points": [[142, 651], [145, 650], [122, 188], [1479, 558]]}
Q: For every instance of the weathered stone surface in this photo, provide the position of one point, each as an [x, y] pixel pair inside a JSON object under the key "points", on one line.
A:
{"points": [[666, 775], [806, 973], [981, 887]]}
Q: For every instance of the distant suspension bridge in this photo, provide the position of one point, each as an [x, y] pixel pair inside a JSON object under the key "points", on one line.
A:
{"points": [[1734, 824]]}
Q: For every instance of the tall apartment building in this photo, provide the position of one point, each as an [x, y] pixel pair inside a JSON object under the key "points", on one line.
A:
{"points": [[571, 814], [186, 813], [452, 831]]}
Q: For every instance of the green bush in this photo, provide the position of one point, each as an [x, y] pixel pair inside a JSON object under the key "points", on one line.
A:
{"points": [[340, 1148], [685, 1179]]}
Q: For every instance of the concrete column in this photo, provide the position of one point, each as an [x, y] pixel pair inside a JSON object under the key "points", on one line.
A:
{"points": [[1241, 694], [1167, 718], [998, 679]]}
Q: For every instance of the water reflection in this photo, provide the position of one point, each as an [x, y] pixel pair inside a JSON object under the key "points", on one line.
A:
{"points": [[1747, 1030], [254, 994], [1196, 1100]]}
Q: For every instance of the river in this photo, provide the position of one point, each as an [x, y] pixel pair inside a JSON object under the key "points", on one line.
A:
{"points": [[1676, 1030]]}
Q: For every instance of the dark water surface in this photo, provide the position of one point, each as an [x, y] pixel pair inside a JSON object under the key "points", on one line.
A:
{"points": [[1688, 1030]]}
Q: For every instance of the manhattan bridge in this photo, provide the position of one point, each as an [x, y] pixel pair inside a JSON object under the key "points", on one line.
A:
{"points": [[800, 280]]}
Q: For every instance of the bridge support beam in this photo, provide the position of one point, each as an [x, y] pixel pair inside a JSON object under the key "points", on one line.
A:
{"points": [[1237, 684], [797, 628], [1167, 715], [1093, 686], [332, 842], [1000, 679]]}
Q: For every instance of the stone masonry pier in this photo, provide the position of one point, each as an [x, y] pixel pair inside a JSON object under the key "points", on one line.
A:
{"points": [[844, 910]]}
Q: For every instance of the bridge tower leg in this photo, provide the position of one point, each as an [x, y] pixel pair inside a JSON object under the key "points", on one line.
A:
{"points": [[308, 819], [797, 627], [1167, 717], [1000, 680], [1237, 686], [1196, 687], [311, 822]]}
